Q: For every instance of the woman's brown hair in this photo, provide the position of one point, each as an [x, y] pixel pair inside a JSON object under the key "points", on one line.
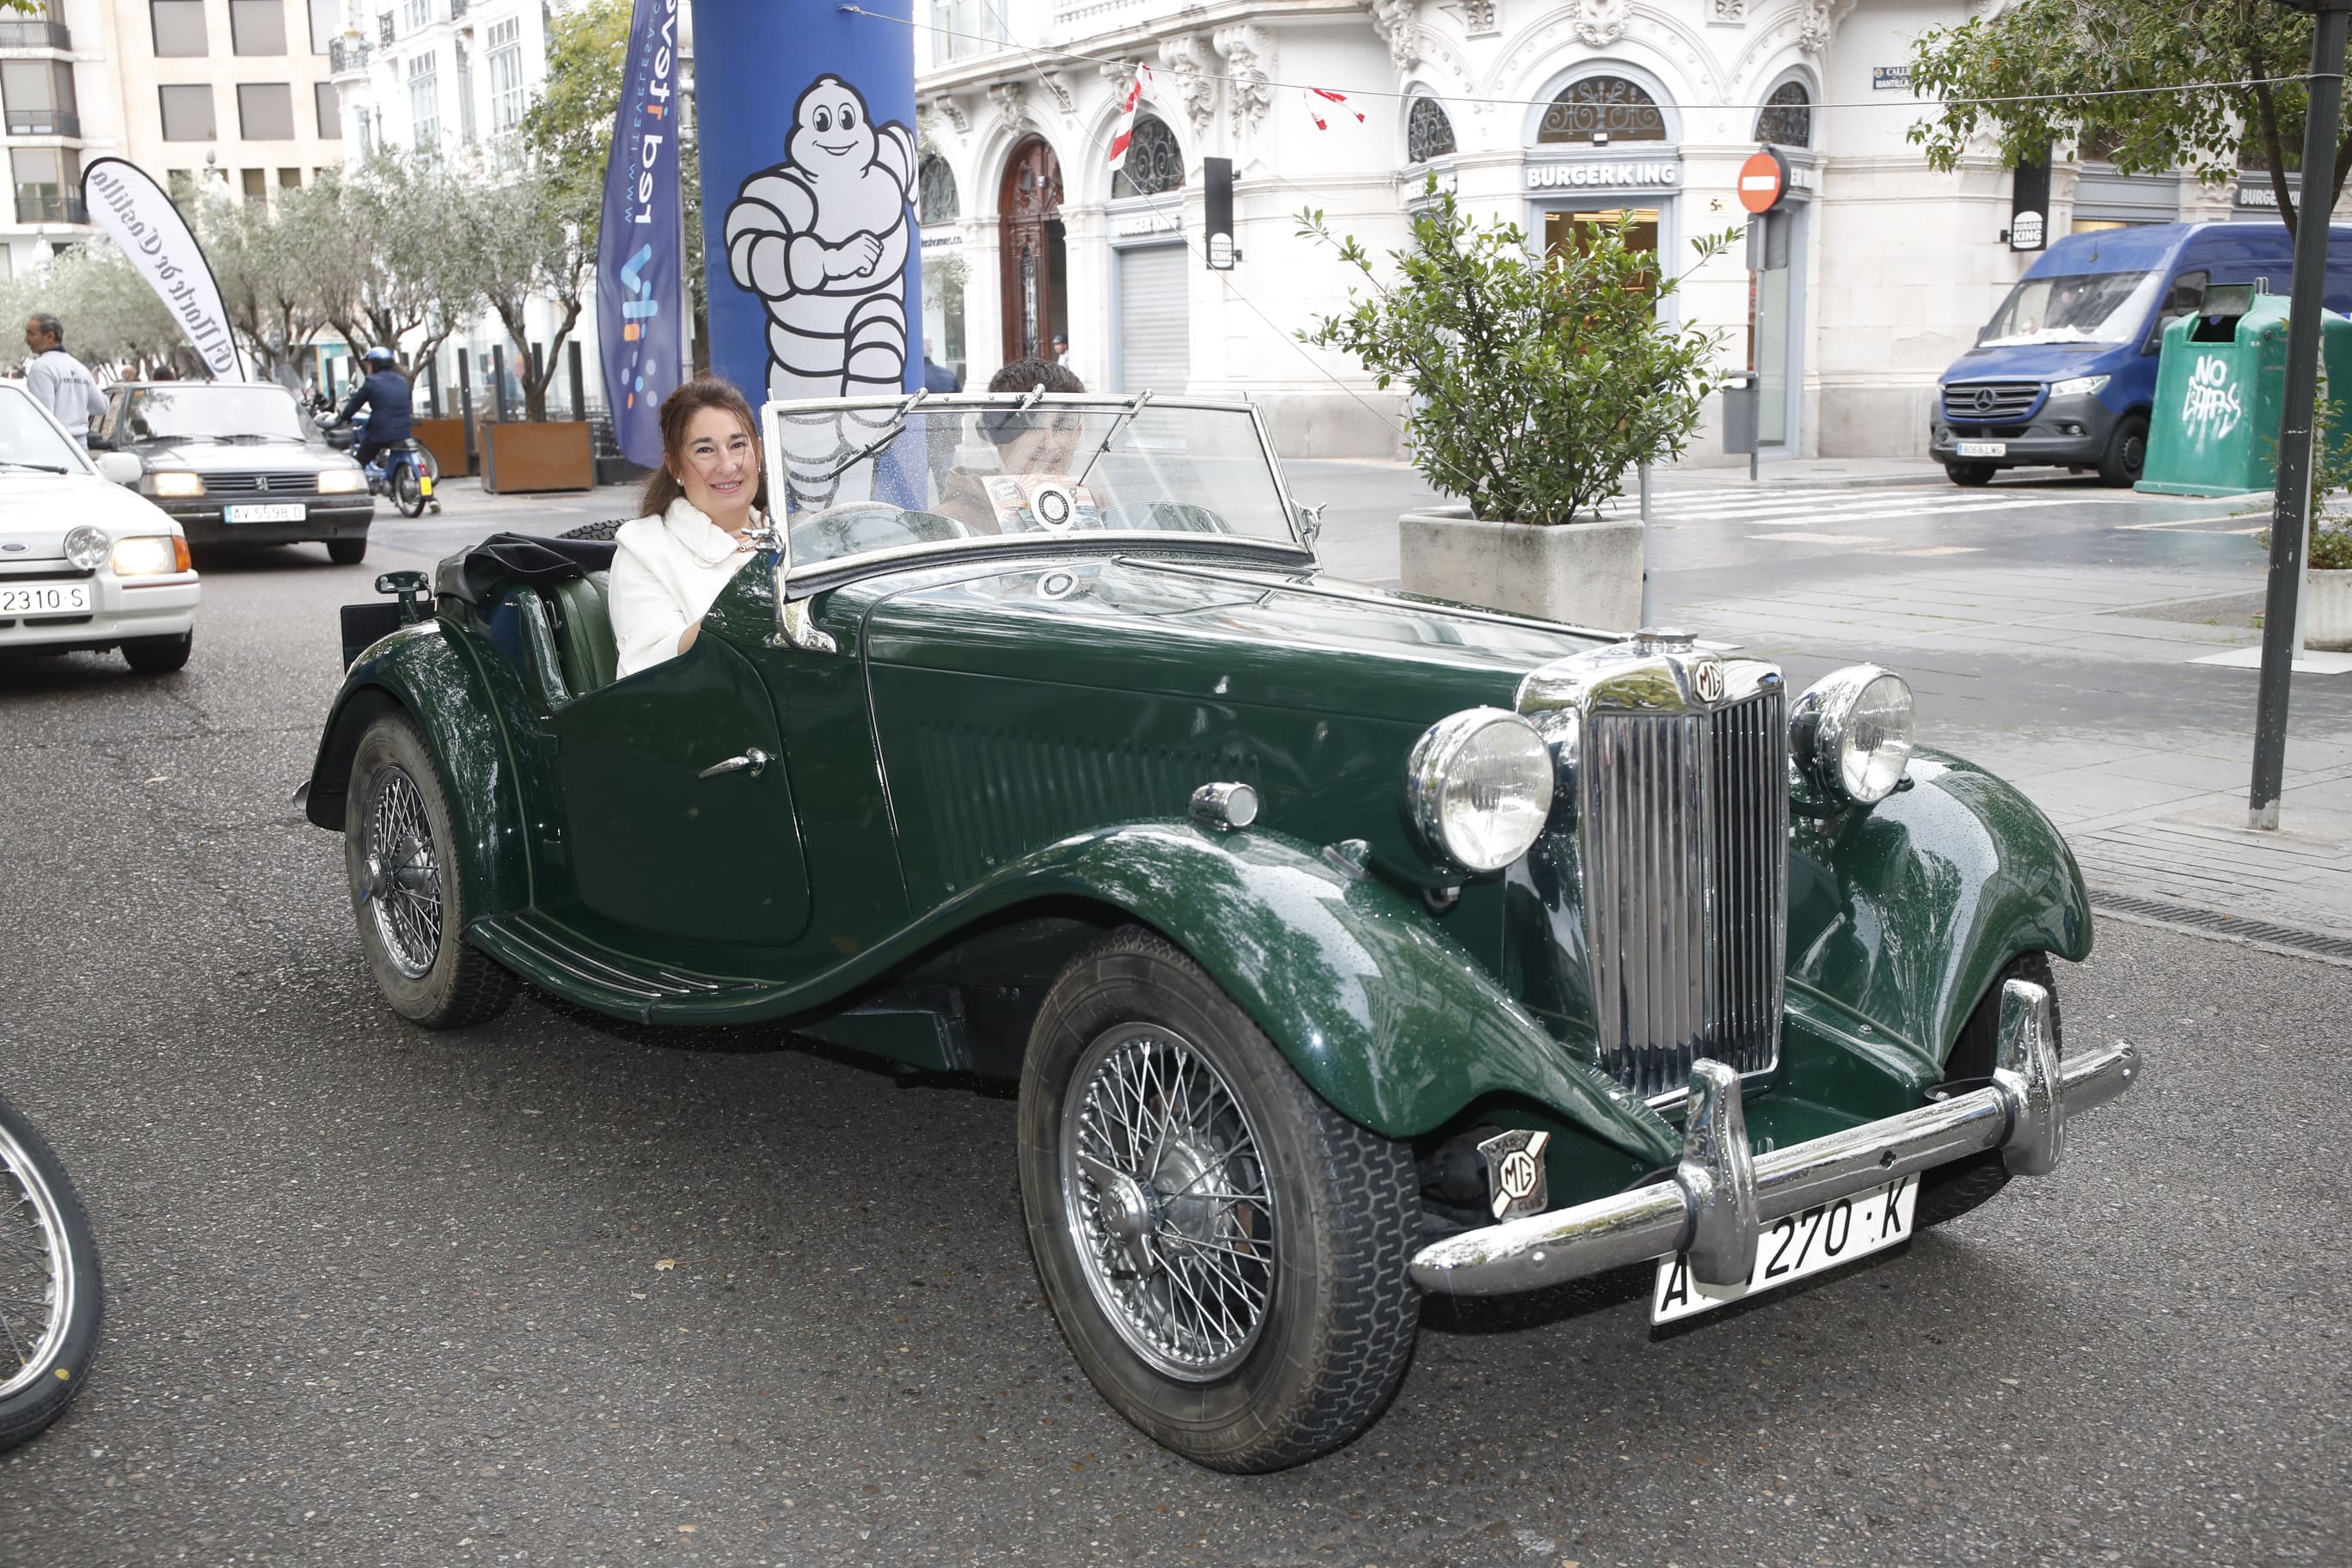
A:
{"points": [[677, 412]]}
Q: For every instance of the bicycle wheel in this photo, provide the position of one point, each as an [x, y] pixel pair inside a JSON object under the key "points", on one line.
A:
{"points": [[407, 493], [51, 1299]]}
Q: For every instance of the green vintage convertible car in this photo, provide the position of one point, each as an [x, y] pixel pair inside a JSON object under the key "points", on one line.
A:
{"points": [[1346, 946]]}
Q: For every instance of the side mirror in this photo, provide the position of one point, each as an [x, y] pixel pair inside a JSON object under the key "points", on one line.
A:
{"points": [[120, 467]]}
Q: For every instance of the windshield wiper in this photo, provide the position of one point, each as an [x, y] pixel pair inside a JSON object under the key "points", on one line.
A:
{"points": [[36, 467], [898, 429], [1134, 408]]}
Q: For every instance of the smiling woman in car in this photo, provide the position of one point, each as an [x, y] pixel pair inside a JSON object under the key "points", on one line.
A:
{"points": [[699, 506]]}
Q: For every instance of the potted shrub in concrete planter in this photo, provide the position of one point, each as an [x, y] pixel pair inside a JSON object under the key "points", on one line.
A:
{"points": [[1535, 383], [2327, 588]]}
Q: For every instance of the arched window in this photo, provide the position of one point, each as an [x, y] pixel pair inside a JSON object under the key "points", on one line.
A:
{"points": [[1427, 133], [935, 191], [1602, 110], [1787, 118], [1154, 162]]}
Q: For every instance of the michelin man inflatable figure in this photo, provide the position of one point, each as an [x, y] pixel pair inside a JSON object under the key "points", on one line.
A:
{"points": [[823, 237]]}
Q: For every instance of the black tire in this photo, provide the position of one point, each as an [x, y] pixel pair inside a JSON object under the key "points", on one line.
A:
{"points": [[158, 656], [1324, 1242], [2127, 454], [347, 552], [48, 1271], [1947, 1192], [408, 491], [1972, 475], [410, 906]]}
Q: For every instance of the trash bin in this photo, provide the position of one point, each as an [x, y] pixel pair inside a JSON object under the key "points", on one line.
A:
{"points": [[2221, 386]]}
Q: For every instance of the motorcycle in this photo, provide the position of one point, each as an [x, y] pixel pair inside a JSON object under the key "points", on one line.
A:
{"points": [[50, 1294], [405, 471]]}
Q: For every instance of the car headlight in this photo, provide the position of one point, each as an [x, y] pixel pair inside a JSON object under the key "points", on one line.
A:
{"points": [[341, 481], [1850, 734], [1479, 786], [171, 483], [86, 547], [2077, 385], [153, 555]]}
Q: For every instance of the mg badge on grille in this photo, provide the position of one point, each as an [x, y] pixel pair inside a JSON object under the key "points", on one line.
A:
{"points": [[1515, 1173], [1706, 680]]}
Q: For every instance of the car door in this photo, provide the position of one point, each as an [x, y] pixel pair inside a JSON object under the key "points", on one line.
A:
{"points": [[680, 836]]}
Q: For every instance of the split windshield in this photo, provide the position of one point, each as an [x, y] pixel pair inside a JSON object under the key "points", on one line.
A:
{"points": [[2080, 308], [879, 476]]}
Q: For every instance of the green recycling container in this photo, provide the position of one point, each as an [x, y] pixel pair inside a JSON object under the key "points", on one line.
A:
{"points": [[2221, 385]]}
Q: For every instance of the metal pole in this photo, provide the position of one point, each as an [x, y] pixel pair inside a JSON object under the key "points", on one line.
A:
{"points": [[499, 380], [579, 380], [2291, 508], [466, 402]]}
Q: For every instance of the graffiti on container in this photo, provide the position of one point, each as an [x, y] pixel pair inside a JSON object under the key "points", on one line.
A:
{"points": [[2212, 409]]}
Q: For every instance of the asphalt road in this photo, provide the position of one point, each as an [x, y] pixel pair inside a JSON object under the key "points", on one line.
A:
{"points": [[558, 1291]]}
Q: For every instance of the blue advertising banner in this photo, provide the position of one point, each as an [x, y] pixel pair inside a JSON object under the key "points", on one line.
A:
{"points": [[640, 249], [806, 116]]}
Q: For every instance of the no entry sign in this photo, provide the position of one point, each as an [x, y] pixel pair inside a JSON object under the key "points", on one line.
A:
{"points": [[1763, 180]]}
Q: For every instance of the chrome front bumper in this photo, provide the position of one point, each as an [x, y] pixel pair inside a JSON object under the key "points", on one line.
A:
{"points": [[1720, 1195]]}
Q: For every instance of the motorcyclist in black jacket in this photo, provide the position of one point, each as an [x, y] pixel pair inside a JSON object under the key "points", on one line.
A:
{"points": [[386, 395]]}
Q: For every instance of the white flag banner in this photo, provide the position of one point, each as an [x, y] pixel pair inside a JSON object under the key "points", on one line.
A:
{"points": [[122, 200]]}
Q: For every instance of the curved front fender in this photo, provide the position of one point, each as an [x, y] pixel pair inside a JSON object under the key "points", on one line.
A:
{"points": [[1382, 1013], [427, 676], [1904, 913]]}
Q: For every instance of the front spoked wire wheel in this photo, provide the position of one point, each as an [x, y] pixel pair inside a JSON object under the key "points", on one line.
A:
{"points": [[50, 1296], [408, 892], [1164, 1186], [1225, 1254]]}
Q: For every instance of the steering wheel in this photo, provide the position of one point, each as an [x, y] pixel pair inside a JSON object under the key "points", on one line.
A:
{"points": [[853, 528]]}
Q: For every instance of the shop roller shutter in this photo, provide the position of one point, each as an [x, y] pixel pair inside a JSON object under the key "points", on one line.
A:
{"points": [[1155, 343]]}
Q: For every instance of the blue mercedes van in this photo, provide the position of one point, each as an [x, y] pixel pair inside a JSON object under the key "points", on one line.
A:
{"points": [[2064, 372]]}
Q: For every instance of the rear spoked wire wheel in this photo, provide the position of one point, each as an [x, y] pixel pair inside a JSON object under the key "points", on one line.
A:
{"points": [[50, 1297], [408, 490], [1165, 1191], [408, 894]]}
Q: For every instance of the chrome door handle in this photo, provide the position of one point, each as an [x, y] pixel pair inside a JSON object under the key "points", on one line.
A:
{"points": [[751, 761]]}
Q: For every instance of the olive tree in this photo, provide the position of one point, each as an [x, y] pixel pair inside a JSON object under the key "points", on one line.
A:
{"points": [[389, 266], [2109, 73], [1536, 381]]}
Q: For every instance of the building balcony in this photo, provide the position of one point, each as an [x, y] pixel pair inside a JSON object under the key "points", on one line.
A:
{"points": [[37, 206], [34, 36], [346, 57], [458, 10], [43, 122]]}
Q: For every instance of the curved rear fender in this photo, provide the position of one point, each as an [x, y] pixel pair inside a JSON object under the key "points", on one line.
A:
{"points": [[1902, 914], [442, 691], [1394, 1024]]}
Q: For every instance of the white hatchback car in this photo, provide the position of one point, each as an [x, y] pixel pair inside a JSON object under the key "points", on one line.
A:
{"points": [[84, 562]]}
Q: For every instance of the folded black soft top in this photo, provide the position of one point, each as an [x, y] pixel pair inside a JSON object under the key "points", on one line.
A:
{"points": [[474, 573]]}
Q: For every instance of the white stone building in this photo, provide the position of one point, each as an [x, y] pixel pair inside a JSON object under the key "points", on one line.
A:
{"points": [[1540, 111], [235, 92]]}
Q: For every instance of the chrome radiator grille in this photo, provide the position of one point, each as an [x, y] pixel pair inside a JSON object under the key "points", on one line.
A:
{"points": [[1684, 835]]}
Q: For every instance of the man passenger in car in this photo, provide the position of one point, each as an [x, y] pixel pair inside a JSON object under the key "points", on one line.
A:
{"points": [[698, 505], [1044, 441]]}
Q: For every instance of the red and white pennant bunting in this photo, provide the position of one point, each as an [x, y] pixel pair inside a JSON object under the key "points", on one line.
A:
{"points": [[1315, 112], [1125, 133]]}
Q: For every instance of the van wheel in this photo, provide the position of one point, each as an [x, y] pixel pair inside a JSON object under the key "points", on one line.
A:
{"points": [[2126, 452], [1969, 474]]}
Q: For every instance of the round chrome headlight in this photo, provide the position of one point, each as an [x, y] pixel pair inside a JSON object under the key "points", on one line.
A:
{"points": [[1851, 733], [88, 547], [1479, 785]]}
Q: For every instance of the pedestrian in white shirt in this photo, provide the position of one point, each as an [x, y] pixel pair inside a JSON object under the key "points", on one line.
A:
{"points": [[59, 380], [674, 561]]}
